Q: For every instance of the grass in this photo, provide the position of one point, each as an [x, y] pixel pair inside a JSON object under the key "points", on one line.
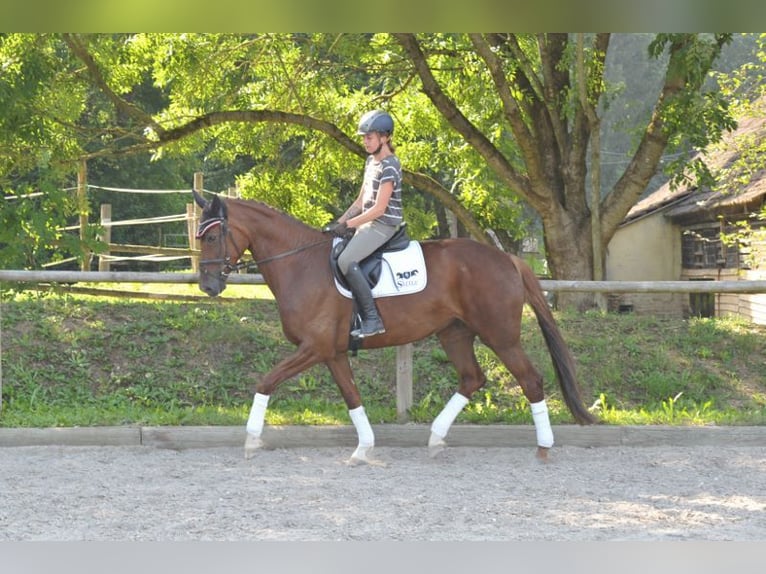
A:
{"points": [[76, 360]]}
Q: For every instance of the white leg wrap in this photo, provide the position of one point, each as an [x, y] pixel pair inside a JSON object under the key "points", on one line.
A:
{"points": [[451, 410], [363, 428], [542, 424], [257, 415]]}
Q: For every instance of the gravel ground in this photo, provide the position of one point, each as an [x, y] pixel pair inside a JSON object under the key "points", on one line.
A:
{"points": [[65, 493]]}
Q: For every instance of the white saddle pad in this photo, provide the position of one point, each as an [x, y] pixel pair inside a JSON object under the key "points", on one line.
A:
{"points": [[402, 273]]}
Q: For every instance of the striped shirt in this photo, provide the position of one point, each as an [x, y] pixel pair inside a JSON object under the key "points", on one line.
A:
{"points": [[375, 173]]}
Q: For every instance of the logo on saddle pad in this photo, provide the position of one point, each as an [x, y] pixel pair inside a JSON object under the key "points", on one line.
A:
{"points": [[402, 272]]}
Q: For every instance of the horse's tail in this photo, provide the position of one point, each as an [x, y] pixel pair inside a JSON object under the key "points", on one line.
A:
{"points": [[563, 362]]}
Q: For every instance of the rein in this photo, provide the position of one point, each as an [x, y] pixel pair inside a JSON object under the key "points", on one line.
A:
{"points": [[205, 226], [291, 252]]}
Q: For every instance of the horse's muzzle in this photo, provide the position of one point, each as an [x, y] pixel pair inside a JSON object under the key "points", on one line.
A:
{"points": [[211, 283], [212, 290]]}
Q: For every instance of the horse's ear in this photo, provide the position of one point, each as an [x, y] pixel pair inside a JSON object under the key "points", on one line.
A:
{"points": [[217, 207], [201, 201]]}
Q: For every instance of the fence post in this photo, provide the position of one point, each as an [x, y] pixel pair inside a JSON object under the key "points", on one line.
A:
{"points": [[191, 225], [403, 381], [82, 206], [106, 236], [193, 212]]}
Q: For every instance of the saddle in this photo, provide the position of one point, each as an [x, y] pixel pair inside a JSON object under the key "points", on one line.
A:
{"points": [[371, 265], [396, 268]]}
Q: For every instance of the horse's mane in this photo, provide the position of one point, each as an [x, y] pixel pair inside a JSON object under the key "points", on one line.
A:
{"points": [[272, 213]]}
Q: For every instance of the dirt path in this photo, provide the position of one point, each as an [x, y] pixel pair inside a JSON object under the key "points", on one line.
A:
{"points": [[610, 493]]}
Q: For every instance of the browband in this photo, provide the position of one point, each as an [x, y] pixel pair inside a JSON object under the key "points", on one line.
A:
{"points": [[205, 226]]}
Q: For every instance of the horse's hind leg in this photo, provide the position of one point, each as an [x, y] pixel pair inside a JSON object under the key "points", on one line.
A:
{"points": [[531, 381], [457, 341]]}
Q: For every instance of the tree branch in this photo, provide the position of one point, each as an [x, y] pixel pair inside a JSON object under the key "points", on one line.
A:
{"points": [[555, 86], [459, 122], [511, 43], [80, 50], [512, 112], [418, 180], [643, 164], [261, 116]]}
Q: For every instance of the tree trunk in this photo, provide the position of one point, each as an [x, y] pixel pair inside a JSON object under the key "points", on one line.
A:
{"points": [[569, 246]]}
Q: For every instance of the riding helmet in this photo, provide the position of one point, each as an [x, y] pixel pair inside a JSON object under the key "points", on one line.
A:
{"points": [[376, 121]]}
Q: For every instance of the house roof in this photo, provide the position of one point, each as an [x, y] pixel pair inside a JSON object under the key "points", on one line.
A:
{"points": [[729, 159]]}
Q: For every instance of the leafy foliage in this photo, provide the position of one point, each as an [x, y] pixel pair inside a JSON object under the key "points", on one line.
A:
{"points": [[490, 126]]}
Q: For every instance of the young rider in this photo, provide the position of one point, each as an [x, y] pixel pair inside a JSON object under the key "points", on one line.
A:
{"points": [[375, 215]]}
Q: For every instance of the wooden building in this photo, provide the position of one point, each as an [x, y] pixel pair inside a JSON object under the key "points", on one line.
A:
{"points": [[691, 234]]}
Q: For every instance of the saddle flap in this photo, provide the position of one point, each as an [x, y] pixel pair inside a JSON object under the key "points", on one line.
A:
{"points": [[392, 272], [372, 264]]}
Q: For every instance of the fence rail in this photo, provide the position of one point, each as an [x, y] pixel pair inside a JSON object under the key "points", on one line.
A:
{"points": [[555, 285], [654, 286], [404, 352]]}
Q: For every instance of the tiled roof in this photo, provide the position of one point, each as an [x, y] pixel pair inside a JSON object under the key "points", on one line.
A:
{"points": [[704, 203]]}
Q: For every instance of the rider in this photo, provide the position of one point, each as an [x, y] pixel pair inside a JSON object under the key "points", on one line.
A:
{"points": [[376, 214]]}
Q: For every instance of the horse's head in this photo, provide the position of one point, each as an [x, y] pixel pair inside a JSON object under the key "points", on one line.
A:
{"points": [[218, 248]]}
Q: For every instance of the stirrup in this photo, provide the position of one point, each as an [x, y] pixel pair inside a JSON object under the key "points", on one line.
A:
{"points": [[369, 328]]}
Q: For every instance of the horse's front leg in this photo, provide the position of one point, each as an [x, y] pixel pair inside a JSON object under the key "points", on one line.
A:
{"points": [[341, 372], [303, 358]]}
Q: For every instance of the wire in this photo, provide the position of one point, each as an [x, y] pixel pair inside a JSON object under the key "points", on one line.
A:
{"points": [[130, 190]]}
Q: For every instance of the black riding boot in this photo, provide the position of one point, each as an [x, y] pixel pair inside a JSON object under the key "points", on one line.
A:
{"points": [[371, 322]]}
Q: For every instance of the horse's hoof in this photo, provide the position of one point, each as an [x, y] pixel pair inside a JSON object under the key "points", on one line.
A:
{"points": [[252, 445], [434, 451], [362, 456], [542, 454], [436, 445]]}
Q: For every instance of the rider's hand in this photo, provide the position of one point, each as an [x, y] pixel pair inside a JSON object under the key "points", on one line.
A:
{"points": [[338, 229]]}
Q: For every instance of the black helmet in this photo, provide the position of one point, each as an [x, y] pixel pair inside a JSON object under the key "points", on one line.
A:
{"points": [[376, 121]]}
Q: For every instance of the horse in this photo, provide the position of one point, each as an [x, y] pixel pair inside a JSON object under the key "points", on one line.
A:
{"points": [[473, 290]]}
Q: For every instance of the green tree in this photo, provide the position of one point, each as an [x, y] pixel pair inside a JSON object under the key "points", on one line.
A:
{"points": [[745, 88], [39, 105], [487, 123], [54, 114], [552, 125]]}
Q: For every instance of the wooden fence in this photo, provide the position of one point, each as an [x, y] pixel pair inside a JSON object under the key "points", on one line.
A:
{"points": [[151, 253], [553, 285], [404, 353]]}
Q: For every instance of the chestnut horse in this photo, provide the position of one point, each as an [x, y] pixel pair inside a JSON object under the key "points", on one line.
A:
{"points": [[473, 290]]}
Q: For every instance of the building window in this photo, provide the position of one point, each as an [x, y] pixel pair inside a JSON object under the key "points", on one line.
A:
{"points": [[702, 248]]}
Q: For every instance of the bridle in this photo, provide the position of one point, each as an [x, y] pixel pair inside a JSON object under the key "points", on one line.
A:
{"points": [[223, 245]]}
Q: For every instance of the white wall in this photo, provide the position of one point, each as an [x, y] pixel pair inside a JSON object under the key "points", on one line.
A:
{"points": [[648, 249]]}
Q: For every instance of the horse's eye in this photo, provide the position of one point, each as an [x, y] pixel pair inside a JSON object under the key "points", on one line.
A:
{"points": [[211, 238]]}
